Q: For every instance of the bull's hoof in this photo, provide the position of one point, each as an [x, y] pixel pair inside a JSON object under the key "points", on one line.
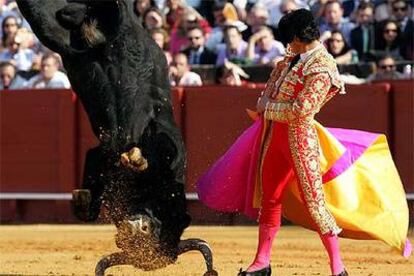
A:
{"points": [[211, 273], [81, 201], [134, 160]]}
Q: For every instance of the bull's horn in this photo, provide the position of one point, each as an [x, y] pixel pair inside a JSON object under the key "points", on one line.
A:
{"points": [[203, 247], [117, 258]]}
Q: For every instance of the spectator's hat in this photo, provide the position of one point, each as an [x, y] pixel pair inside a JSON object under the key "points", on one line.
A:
{"points": [[231, 17]]}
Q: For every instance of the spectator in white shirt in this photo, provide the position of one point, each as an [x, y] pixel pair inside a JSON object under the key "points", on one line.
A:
{"points": [[180, 72], [263, 48], [49, 77], [20, 56], [234, 49]]}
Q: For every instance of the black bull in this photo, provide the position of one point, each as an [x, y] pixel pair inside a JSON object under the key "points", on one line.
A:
{"points": [[137, 171]]}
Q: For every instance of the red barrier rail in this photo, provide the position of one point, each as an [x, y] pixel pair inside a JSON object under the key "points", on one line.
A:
{"points": [[45, 135]]}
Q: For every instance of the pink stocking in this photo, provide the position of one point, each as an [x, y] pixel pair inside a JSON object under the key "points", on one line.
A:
{"points": [[331, 243], [266, 235]]}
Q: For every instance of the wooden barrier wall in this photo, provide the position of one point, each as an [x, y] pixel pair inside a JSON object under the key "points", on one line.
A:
{"points": [[45, 135]]}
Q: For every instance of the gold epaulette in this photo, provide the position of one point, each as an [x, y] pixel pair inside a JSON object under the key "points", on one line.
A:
{"points": [[321, 61]]}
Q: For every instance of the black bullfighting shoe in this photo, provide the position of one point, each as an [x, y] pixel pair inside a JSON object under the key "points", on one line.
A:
{"points": [[343, 273], [267, 271], [81, 201]]}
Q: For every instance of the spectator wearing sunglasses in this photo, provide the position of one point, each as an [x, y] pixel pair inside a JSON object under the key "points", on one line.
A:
{"points": [[388, 39], [401, 11], [196, 52], [385, 70], [339, 49]]}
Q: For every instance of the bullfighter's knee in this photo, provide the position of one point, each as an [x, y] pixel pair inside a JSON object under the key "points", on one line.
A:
{"points": [[134, 160]]}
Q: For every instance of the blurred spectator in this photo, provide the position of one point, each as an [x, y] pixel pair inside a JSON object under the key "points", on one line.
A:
{"points": [[276, 8], [9, 27], [161, 37], [263, 48], [141, 6], [154, 19], [175, 9], [388, 39], [288, 6], [9, 79], [383, 10], [339, 49], [17, 54], [385, 70], [317, 7], [334, 20], [189, 18], [216, 35], [49, 77], [6, 10], [401, 12], [257, 17], [180, 72], [225, 15], [363, 36], [234, 49], [197, 53], [232, 75]]}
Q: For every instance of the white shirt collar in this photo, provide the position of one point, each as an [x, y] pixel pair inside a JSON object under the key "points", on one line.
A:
{"points": [[305, 55]]}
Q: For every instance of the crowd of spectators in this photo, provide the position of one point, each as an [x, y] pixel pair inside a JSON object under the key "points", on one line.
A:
{"points": [[228, 34]]}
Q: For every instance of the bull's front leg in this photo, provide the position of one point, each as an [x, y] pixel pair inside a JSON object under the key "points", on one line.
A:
{"points": [[86, 202], [134, 160]]}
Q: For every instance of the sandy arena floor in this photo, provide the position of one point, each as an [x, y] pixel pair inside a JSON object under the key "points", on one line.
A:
{"points": [[75, 249]]}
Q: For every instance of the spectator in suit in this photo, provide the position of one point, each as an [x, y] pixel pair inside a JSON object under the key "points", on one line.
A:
{"points": [[50, 77], [197, 53], [334, 20], [401, 12], [263, 49], [388, 39], [385, 70], [9, 79], [188, 18], [339, 49], [181, 74], [234, 49], [363, 36]]}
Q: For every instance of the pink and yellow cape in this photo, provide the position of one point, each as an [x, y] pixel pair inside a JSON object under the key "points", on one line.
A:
{"points": [[362, 187]]}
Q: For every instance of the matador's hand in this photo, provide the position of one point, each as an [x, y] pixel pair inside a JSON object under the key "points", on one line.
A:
{"points": [[261, 103]]}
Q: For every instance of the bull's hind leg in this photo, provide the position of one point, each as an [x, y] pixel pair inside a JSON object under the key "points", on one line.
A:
{"points": [[134, 160], [204, 248], [117, 258], [86, 202]]}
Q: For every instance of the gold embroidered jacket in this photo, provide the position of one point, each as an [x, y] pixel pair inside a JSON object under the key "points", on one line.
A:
{"points": [[296, 95]]}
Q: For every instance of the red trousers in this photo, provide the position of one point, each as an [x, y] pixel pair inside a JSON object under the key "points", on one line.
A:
{"points": [[277, 168]]}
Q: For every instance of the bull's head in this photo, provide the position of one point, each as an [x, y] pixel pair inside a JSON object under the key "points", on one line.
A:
{"points": [[96, 21]]}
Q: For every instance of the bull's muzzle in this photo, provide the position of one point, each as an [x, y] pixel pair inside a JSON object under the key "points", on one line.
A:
{"points": [[140, 226]]}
